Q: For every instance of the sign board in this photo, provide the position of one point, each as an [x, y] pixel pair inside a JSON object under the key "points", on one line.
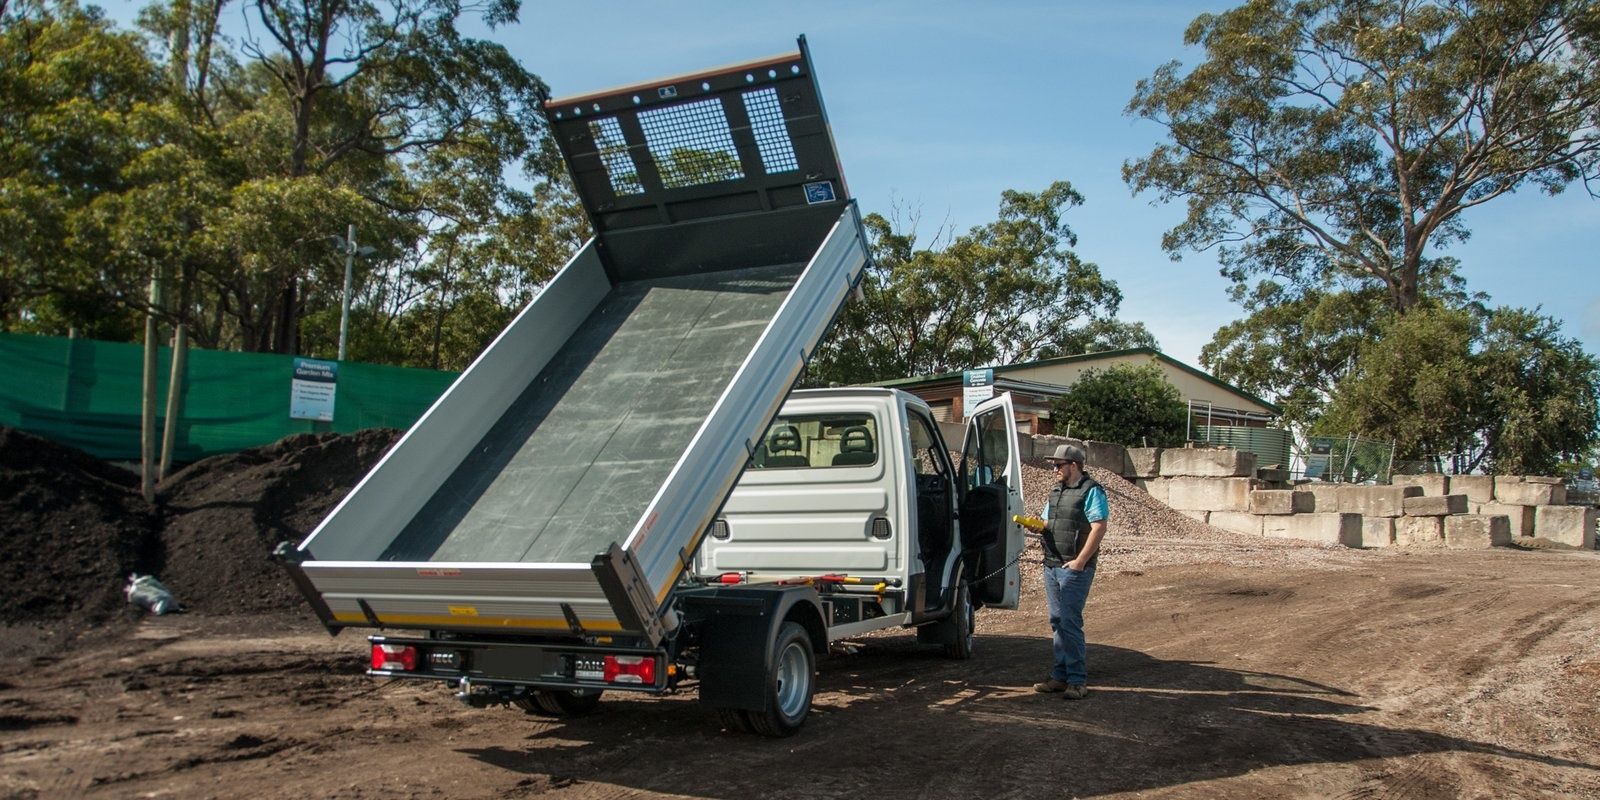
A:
{"points": [[312, 390], [977, 385]]}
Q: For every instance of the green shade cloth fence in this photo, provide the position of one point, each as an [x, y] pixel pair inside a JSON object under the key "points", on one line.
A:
{"points": [[86, 394]]}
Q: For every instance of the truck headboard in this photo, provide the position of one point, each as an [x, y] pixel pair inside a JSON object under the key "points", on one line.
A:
{"points": [[724, 169]]}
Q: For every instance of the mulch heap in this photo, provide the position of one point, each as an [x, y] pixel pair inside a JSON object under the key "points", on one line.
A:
{"points": [[72, 527], [225, 514]]}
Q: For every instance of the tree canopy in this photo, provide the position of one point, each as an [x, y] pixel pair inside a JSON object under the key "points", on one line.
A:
{"points": [[1464, 388], [1323, 141], [1007, 291], [227, 164]]}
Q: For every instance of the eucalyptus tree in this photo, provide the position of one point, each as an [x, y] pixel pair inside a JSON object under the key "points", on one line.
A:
{"points": [[1006, 291], [1348, 136]]}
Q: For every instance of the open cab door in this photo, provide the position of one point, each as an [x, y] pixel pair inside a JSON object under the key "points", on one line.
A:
{"points": [[991, 475]]}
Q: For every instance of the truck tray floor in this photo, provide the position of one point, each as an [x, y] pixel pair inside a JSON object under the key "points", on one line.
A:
{"points": [[573, 463]]}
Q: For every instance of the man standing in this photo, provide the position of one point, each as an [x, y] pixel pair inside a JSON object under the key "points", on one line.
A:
{"points": [[1075, 521]]}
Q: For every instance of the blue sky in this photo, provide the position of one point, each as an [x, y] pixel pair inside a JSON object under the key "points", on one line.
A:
{"points": [[938, 107]]}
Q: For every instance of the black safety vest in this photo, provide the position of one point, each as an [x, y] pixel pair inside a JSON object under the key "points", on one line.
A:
{"points": [[1068, 525]]}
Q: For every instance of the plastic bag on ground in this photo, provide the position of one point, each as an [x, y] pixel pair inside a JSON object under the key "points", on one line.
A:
{"points": [[147, 593]]}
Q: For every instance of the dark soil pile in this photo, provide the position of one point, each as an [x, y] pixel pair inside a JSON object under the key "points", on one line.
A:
{"points": [[225, 514], [71, 529]]}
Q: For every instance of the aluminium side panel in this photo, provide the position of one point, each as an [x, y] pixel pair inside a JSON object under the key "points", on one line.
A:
{"points": [[366, 521], [664, 540]]}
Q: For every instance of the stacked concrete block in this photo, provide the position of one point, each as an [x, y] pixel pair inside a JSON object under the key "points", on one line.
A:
{"points": [[1433, 484], [1377, 531], [1521, 517], [1437, 506], [1376, 501], [1281, 501], [1573, 525], [1273, 478], [1519, 491], [1156, 487], [1477, 488], [1476, 531], [1325, 496], [1419, 531], [1191, 462], [1208, 494], [1105, 455], [1145, 462], [1237, 521], [1327, 528]]}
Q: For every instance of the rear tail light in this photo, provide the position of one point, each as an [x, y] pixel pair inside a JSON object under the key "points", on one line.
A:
{"points": [[394, 656], [630, 669], [719, 530]]}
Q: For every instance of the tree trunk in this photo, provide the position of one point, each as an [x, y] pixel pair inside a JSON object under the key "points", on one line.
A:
{"points": [[147, 423]]}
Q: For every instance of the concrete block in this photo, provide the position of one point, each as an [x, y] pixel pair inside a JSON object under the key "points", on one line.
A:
{"points": [[1207, 463], [1281, 501], [1477, 531], [1377, 531], [1436, 506], [1477, 488], [1236, 521], [1572, 525], [1513, 490], [1376, 501], [1325, 496], [1044, 444], [1106, 455], [1273, 475], [1419, 531], [1198, 516], [1546, 479], [1433, 484], [1156, 487], [1521, 516], [1146, 461], [1209, 494], [1330, 528]]}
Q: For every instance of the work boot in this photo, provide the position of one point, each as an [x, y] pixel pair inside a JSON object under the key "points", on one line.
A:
{"points": [[1050, 686], [1075, 691]]}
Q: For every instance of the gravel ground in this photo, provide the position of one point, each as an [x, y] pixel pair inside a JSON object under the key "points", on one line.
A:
{"points": [[1146, 533]]}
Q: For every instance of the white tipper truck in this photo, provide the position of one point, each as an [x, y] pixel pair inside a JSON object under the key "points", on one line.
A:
{"points": [[616, 496]]}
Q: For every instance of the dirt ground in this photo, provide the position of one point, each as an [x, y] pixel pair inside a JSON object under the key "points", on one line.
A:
{"points": [[1329, 674]]}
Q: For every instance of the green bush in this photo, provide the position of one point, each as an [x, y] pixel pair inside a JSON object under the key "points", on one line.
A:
{"points": [[1125, 404]]}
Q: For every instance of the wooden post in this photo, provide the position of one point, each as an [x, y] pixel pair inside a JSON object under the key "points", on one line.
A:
{"points": [[169, 433], [147, 426]]}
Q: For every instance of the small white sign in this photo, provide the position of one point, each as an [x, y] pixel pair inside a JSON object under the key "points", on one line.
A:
{"points": [[977, 385], [311, 393]]}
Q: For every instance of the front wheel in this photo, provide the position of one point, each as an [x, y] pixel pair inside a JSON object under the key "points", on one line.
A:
{"points": [[791, 680], [963, 619]]}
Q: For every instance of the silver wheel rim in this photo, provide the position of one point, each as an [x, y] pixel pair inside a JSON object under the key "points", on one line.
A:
{"points": [[793, 679]]}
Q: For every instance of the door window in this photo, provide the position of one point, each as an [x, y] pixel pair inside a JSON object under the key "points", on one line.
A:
{"points": [[986, 456]]}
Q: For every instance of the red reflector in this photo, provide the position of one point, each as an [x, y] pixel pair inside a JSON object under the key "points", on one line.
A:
{"points": [[394, 656], [630, 669]]}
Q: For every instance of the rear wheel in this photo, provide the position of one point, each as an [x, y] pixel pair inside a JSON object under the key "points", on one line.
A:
{"points": [[560, 702], [791, 680]]}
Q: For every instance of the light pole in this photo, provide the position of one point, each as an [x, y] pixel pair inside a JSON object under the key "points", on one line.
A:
{"points": [[348, 244]]}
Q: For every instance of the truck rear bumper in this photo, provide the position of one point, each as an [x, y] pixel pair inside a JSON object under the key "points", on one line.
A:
{"points": [[541, 665]]}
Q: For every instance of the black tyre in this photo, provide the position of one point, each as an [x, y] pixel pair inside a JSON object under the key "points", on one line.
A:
{"points": [[960, 625], [560, 702], [791, 680], [734, 719]]}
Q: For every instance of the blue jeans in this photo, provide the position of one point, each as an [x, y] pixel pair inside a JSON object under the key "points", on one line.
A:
{"points": [[1065, 592]]}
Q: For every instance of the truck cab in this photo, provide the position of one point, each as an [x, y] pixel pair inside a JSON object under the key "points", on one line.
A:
{"points": [[859, 484]]}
